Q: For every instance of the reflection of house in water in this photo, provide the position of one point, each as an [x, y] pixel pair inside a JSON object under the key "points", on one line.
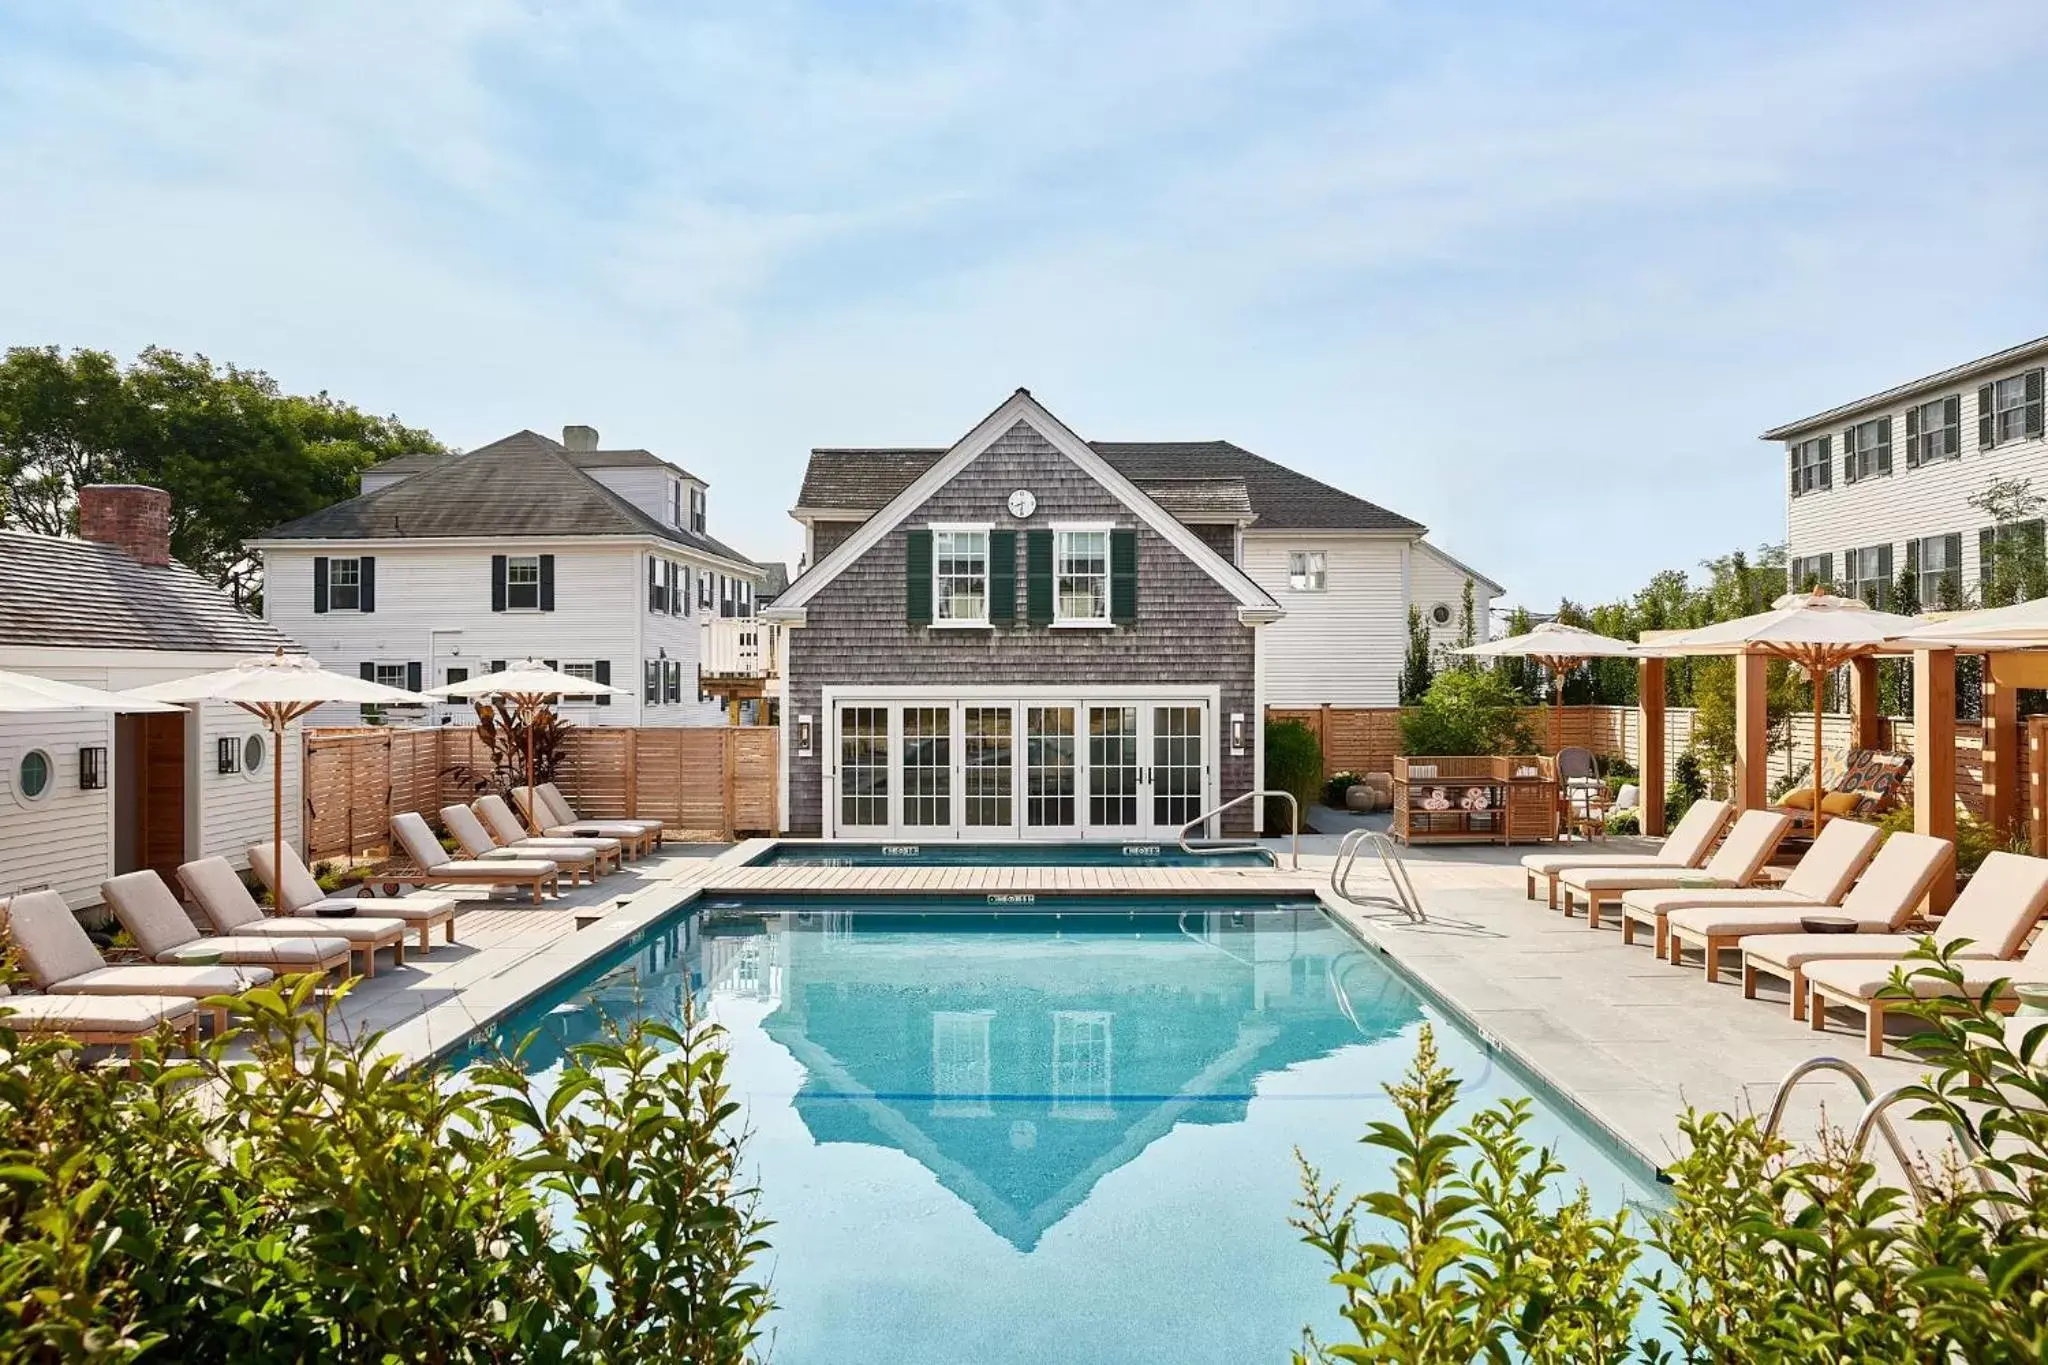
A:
{"points": [[1021, 1066]]}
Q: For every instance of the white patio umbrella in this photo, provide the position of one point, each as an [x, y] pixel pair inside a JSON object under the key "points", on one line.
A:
{"points": [[1816, 630], [530, 686], [23, 693], [1559, 649], [279, 689], [2023, 625]]}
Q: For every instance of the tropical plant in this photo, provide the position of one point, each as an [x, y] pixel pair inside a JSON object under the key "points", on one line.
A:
{"points": [[1467, 711], [503, 730], [1294, 764]]}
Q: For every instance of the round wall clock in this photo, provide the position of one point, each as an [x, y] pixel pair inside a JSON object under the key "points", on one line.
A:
{"points": [[1022, 503]]}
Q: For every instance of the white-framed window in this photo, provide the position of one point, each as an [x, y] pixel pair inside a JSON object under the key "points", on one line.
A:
{"points": [[1867, 574], [1305, 570], [1812, 469], [960, 1063], [1867, 450], [587, 672], [697, 509], [522, 583], [675, 502], [2016, 408], [1080, 567], [389, 675], [1810, 570], [960, 575], [1083, 1084], [35, 775], [704, 577], [1939, 558], [1934, 431], [344, 585]]}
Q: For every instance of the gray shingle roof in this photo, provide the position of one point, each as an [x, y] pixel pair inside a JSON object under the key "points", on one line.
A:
{"points": [[774, 581], [76, 594], [523, 485], [583, 459], [864, 480], [1200, 502]]}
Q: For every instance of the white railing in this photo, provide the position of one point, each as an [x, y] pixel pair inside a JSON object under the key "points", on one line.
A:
{"points": [[741, 647]]}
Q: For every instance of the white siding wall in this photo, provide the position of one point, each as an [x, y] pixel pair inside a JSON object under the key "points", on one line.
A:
{"points": [[646, 488], [1342, 646], [64, 841], [235, 808], [1909, 504], [1435, 581]]}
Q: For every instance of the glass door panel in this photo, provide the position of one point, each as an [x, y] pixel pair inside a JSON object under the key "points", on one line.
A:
{"points": [[1113, 771], [928, 767], [988, 767], [1049, 776], [1179, 757], [863, 768]]}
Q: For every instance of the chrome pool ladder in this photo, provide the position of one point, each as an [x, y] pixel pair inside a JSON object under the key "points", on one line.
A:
{"points": [[1404, 898], [1293, 824], [1875, 1119]]}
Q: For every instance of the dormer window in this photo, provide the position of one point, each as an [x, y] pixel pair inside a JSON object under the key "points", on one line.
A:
{"points": [[675, 502], [697, 509]]}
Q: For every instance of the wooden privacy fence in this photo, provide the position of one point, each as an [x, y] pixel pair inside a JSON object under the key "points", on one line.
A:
{"points": [[712, 782]]}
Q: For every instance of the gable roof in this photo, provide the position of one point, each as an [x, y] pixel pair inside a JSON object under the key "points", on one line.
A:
{"points": [[864, 479], [1022, 408], [78, 594], [523, 485], [418, 461], [1998, 360], [1203, 502]]}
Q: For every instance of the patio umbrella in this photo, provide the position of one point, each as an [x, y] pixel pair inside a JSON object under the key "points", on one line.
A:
{"points": [[1559, 649], [530, 686], [279, 689], [25, 692], [2023, 625], [1816, 630]]}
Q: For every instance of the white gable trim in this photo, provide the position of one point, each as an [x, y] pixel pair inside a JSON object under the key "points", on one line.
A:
{"points": [[1020, 407]]}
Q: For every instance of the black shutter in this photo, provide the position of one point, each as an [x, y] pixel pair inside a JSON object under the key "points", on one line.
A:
{"points": [[367, 672], [1884, 445], [602, 669], [1002, 578], [1913, 556], [1848, 454], [366, 593], [497, 584], [1123, 577], [917, 578], [1038, 577], [1912, 437], [1827, 569], [1952, 424], [497, 665], [2032, 420], [1827, 462], [653, 583], [650, 681], [1986, 427], [319, 583], [412, 677], [549, 663], [675, 679], [682, 599], [547, 582], [1987, 561], [1792, 460]]}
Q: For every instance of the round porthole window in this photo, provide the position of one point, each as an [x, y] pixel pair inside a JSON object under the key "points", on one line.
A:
{"points": [[252, 753], [1440, 614], [33, 775]]}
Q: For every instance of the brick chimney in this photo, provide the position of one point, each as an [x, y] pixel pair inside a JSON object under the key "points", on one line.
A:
{"points": [[130, 516], [580, 438]]}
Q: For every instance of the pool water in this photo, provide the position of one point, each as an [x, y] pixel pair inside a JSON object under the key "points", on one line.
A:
{"points": [[950, 853], [1046, 1138]]}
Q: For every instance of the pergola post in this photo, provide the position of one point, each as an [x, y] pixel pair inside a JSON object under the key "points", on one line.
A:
{"points": [[2001, 744], [1866, 724], [1752, 730], [1934, 758], [1650, 708]]}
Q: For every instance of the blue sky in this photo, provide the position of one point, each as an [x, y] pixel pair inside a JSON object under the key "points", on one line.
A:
{"points": [[1534, 275]]}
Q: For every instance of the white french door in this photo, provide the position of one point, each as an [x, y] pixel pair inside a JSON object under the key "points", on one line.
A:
{"points": [[1032, 767]]}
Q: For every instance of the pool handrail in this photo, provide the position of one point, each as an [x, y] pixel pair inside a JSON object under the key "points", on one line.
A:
{"points": [[1406, 898], [1294, 826]]}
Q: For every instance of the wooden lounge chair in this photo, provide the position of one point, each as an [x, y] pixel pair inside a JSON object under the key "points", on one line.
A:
{"points": [[1822, 877], [2017, 889], [99, 1020], [61, 960], [301, 895], [1993, 912], [565, 814], [633, 836], [476, 841], [1742, 855], [165, 933], [505, 828], [537, 875], [1885, 898], [214, 886], [1686, 846]]}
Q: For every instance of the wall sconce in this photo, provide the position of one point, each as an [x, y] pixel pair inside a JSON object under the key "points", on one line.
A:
{"points": [[803, 736], [227, 755], [1237, 734], [92, 768]]}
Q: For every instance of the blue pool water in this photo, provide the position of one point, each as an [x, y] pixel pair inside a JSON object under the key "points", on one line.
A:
{"points": [[1045, 1137], [950, 853]]}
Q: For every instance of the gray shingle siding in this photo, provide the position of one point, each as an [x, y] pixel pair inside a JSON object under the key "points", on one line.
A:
{"points": [[1187, 631], [1221, 539]]}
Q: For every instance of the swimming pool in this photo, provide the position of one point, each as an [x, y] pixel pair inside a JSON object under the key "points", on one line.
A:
{"points": [[1044, 1137], [950, 853]]}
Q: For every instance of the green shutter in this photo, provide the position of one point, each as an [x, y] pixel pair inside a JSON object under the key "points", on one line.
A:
{"points": [[917, 577], [1123, 577], [1038, 577], [1002, 577]]}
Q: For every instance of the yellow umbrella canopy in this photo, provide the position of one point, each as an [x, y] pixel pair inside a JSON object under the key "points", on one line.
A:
{"points": [[1557, 648], [529, 685]]}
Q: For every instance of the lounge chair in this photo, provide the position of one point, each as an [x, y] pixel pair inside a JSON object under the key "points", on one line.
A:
{"points": [[537, 875], [1742, 855], [565, 815], [99, 1020], [1994, 912], [506, 829], [476, 842], [1883, 899], [217, 889], [61, 960], [1823, 876], [165, 933], [2016, 888], [1863, 784], [1686, 846], [634, 837], [302, 896]]}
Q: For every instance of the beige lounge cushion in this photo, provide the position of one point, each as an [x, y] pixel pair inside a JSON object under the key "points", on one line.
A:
{"points": [[149, 912], [357, 929], [1788, 951], [1898, 878], [218, 892], [1828, 868], [411, 909], [2005, 896], [1737, 921], [165, 979], [52, 943], [301, 952], [118, 1014], [1742, 854], [1637, 878], [1864, 979], [1685, 846], [506, 829], [1543, 864], [1651, 904], [565, 814], [300, 890], [461, 821], [418, 841]]}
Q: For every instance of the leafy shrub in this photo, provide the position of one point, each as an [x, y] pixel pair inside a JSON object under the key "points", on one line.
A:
{"points": [[316, 1203], [1294, 763], [1337, 786], [1794, 778], [1624, 822], [1975, 839], [1477, 1253], [1618, 766], [1688, 785], [1466, 711]]}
